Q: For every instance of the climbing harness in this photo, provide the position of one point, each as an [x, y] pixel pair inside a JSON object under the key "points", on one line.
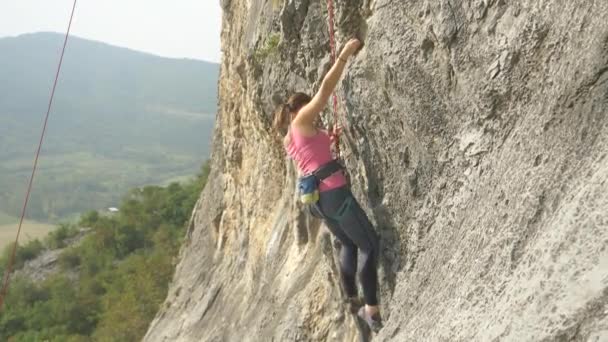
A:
{"points": [[308, 185], [9, 268]]}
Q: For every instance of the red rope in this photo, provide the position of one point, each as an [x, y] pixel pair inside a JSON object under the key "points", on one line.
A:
{"points": [[332, 46], [9, 269]]}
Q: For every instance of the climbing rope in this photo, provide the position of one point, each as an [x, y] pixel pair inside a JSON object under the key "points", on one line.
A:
{"points": [[332, 46], [9, 268]]}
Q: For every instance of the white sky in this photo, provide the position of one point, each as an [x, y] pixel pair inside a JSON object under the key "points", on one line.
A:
{"points": [[170, 28]]}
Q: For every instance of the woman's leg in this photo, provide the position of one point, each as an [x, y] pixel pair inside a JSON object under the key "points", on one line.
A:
{"points": [[348, 258], [358, 228], [348, 268], [356, 225], [353, 225]]}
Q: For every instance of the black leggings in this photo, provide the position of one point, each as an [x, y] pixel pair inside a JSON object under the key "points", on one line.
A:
{"points": [[350, 225]]}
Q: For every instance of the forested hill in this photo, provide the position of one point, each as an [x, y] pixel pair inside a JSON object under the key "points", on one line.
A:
{"points": [[120, 119]]}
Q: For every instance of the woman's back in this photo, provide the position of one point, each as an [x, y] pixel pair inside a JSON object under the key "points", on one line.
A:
{"points": [[310, 153]]}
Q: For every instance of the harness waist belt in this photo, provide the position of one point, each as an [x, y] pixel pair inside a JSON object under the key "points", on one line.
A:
{"points": [[327, 170]]}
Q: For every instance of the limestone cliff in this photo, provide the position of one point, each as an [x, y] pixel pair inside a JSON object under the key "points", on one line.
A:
{"points": [[476, 137]]}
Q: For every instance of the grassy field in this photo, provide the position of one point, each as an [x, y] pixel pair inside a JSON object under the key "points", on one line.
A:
{"points": [[6, 219], [30, 230], [72, 183]]}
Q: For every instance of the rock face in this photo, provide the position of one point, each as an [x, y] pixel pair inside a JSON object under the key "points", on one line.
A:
{"points": [[476, 136], [47, 263]]}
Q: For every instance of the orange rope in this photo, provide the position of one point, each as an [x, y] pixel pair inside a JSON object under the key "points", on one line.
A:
{"points": [[9, 269], [332, 46]]}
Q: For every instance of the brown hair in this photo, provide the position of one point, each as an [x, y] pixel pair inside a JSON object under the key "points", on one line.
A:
{"points": [[283, 113]]}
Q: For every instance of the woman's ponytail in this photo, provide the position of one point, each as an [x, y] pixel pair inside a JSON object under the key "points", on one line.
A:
{"points": [[282, 116]]}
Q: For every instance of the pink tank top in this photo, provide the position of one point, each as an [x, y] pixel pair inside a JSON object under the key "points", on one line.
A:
{"points": [[310, 153]]}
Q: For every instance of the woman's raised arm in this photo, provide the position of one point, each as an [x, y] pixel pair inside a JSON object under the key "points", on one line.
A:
{"points": [[308, 114]]}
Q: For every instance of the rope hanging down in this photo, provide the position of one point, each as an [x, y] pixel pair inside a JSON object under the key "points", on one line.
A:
{"points": [[9, 268], [332, 46]]}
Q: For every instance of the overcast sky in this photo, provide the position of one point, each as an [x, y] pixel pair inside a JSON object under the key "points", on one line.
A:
{"points": [[171, 28]]}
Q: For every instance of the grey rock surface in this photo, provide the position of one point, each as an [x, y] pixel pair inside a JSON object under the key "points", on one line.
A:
{"points": [[476, 136], [47, 263]]}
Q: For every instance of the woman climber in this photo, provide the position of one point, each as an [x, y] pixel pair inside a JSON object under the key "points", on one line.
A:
{"points": [[333, 201]]}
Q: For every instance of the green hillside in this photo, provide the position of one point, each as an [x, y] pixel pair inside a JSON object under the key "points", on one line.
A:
{"points": [[120, 119], [123, 266]]}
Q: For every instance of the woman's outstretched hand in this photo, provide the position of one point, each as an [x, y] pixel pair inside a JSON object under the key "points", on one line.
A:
{"points": [[350, 48], [306, 116]]}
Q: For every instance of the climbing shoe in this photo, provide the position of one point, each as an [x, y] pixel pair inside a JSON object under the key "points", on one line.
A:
{"points": [[374, 322], [354, 304]]}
